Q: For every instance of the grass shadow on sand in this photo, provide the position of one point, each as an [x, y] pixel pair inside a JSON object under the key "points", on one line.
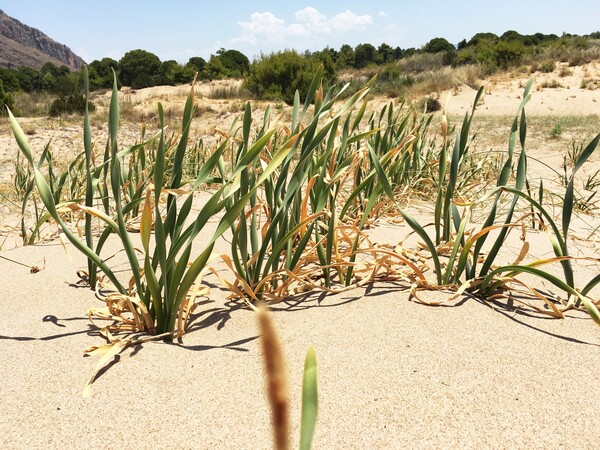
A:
{"points": [[527, 318]]}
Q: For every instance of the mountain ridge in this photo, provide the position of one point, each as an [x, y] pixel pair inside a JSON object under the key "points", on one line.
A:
{"points": [[22, 45]]}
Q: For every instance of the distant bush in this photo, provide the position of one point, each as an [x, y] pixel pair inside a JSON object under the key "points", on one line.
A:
{"points": [[493, 54], [556, 131], [72, 104], [429, 104], [277, 76], [547, 67], [552, 84], [564, 72], [390, 72], [508, 54], [5, 100]]}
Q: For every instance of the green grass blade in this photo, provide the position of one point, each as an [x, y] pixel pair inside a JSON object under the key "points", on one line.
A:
{"points": [[113, 111], [520, 182], [590, 285], [310, 400], [455, 248], [430, 245], [247, 124], [589, 305], [20, 137], [89, 185], [569, 199], [188, 112]]}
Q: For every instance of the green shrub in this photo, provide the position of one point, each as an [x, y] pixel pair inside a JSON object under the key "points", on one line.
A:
{"points": [[72, 104], [429, 104], [5, 99], [508, 54], [390, 72], [277, 76], [547, 67], [556, 131]]}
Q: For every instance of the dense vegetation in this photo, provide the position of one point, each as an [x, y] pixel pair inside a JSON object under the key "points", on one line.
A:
{"points": [[278, 75]]}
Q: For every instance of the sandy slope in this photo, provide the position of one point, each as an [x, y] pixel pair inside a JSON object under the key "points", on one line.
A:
{"points": [[392, 373], [503, 92]]}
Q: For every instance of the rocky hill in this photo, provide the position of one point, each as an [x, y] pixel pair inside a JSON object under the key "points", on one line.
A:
{"points": [[21, 45]]}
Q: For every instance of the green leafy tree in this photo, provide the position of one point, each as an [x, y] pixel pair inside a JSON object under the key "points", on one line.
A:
{"points": [[364, 54], [512, 35], [345, 57], [173, 73], [437, 45], [57, 79], [139, 68], [332, 53], [100, 73], [48, 82], [56, 71], [166, 72], [196, 63], [385, 53], [398, 53], [29, 79], [479, 37], [235, 62], [329, 72], [9, 80], [214, 69]]}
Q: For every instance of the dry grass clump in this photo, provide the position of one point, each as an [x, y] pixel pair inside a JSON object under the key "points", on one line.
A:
{"points": [[470, 74], [576, 55], [33, 104], [423, 62], [590, 83], [227, 92], [550, 84]]}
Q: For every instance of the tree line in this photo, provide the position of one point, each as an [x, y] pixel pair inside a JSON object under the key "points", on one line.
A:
{"points": [[278, 75]]}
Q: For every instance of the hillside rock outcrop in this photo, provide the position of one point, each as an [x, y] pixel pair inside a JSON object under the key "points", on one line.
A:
{"points": [[22, 45]]}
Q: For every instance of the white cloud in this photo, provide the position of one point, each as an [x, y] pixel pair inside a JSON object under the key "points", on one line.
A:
{"points": [[383, 14], [312, 21], [261, 25], [308, 25], [347, 21]]}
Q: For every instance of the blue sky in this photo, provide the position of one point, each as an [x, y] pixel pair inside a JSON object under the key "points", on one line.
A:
{"points": [[181, 29]]}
